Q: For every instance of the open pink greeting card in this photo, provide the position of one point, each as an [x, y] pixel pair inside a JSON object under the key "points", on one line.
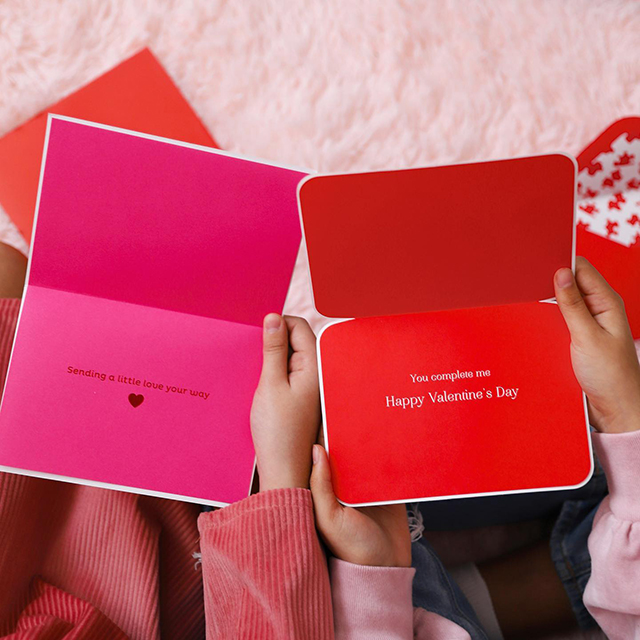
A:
{"points": [[138, 347], [452, 375]]}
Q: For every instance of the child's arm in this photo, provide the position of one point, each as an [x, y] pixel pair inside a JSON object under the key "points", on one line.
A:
{"points": [[371, 574], [264, 572], [370, 602], [612, 595], [606, 365]]}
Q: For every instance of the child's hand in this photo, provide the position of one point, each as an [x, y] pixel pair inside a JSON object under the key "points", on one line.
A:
{"points": [[285, 416], [602, 350], [374, 536]]}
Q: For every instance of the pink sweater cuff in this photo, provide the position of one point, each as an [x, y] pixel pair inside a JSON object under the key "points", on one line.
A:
{"points": [[297, 501], [619, 454], [371, 602], [264, 572]]}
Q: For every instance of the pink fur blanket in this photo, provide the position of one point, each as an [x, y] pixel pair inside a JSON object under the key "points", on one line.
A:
{"points": [[342, 85]]}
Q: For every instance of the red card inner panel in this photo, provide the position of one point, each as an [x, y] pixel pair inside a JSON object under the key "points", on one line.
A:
{"points": [[452, 403], [416, 240]]}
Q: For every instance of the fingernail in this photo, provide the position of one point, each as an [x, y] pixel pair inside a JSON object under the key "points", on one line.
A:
{"points": [[272, 322], [564, 278], [314, 453]]}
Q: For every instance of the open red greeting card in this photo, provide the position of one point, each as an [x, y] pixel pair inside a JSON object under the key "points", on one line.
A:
{"points": [[452, 376]]}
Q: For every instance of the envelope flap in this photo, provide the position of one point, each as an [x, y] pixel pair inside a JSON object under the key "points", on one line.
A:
{"points": [[417, 240]]}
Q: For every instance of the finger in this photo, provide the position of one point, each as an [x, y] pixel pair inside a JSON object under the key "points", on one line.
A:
{"points": [[580, 322], [303, 345], [275, 349], [604, 304], [326, 505], [301, 336]]}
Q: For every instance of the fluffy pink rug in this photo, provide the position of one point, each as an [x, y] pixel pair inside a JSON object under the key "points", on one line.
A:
{"points": [[336, 85]]}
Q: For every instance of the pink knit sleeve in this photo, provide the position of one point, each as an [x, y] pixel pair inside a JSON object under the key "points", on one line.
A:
{"points": [[612, 592], [374, 603], [264, 572]]}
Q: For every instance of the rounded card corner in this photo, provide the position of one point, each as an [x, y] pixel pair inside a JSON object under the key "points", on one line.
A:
{"points": [[590, 472], [353, 505], [563, 157], [585, 478], [303, 182], [327, 326], [349, 501]]}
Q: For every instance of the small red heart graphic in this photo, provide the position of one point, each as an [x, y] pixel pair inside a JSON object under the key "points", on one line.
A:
{"points": [[136, 400]]}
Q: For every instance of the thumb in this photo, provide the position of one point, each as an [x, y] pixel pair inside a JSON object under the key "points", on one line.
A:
{"points": [[275, 343], [325, 503], [579, 320]]}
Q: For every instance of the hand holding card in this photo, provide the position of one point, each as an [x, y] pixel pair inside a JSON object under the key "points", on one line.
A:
{"points": [[285, 416], [602, 351], [370, 536]]}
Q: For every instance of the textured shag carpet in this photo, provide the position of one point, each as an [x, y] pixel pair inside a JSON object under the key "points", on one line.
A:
{"points": [[345, 84]]}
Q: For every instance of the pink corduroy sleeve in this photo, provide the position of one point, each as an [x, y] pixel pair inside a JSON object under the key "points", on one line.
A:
{"points": [[374, 603], [265, 574], [612, 593]]}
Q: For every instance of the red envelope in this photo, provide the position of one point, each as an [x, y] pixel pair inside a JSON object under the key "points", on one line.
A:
{"points": [[137, 94], [453, 376], [608, 232]]}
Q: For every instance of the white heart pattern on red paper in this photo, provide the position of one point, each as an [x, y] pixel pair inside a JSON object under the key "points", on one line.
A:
{"points": [[609, 193]]}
